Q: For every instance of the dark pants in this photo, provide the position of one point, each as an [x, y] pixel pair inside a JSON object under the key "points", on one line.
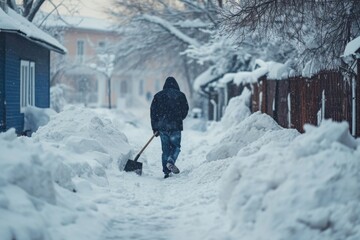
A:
{"points": [[170, 142]]}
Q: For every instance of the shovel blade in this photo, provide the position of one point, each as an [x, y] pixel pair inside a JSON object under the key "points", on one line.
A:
{"points": [[133, 166]]}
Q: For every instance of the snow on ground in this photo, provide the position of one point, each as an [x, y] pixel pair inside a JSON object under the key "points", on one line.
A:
{"points": [[245, 177]]}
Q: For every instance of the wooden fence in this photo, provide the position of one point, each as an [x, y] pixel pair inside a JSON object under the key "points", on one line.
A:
{"points": [[299, 100]]}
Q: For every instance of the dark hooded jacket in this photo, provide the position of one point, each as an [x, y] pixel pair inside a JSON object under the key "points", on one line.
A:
{"points": [[169, 108]]}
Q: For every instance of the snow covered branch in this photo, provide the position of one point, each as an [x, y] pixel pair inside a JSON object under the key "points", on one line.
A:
{"points": [[173, 30]]}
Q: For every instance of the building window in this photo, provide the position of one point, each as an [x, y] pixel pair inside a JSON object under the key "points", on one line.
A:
{"points": [[101, 44], [101, 47], [27, 84], [80, 49]]}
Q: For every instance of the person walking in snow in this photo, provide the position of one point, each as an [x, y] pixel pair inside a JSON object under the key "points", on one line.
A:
{"points": [[168, 109]]}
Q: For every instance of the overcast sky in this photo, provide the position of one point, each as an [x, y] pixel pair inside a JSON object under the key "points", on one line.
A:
{"points": [[88, 8]]}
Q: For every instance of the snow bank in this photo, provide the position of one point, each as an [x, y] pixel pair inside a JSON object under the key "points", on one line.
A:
{"points": [[244, 133], [239, 128], [237, 109], [33, 201], [81, 131], [35, 117], [285, 187], [47, 178]]}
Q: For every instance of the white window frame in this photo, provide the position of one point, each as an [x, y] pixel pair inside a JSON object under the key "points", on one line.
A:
{"points": [[27, 84]]}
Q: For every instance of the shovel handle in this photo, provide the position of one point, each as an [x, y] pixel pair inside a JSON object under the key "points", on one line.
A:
{"points": [[137, 156]]}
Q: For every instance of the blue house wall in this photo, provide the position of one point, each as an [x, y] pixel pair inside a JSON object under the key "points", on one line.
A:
{"points": [[18, 48], [2, 80]]}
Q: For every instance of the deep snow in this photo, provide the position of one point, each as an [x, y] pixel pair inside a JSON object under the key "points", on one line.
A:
{"points": [[244, 177]]}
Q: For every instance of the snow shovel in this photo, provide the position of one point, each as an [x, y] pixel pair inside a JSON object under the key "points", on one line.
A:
{"points": [[134, 165]]}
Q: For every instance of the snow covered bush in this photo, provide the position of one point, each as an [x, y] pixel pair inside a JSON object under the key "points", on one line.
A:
{"points": [[286, 187]]}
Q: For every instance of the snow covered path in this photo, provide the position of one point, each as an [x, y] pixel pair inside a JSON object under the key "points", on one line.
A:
{"points": [[246, 178], [184, 206]]}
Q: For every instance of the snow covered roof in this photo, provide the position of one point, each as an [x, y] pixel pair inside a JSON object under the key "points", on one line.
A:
{"points": [[80, 22], [352, 47], [13, 22]]}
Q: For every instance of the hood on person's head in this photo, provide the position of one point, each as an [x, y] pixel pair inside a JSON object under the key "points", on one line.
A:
{"points": [[171, 83]]}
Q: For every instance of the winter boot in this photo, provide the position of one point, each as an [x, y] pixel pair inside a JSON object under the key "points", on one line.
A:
{"points": [[172, 168]]}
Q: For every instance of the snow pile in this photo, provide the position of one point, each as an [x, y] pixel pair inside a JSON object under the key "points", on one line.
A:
{"points": [[239, 128], [244, 132], [35, 117], [30, 188], [237, 109], [83, 132], [306, 188]]}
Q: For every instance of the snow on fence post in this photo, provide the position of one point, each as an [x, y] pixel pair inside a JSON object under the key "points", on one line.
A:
{"points": [[289, 110], [214, 105]]}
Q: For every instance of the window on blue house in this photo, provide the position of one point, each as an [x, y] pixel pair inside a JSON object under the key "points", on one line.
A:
{"points": [[27, 84]]}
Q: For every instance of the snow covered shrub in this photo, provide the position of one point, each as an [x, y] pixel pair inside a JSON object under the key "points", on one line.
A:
{"points": [[300, 189]]}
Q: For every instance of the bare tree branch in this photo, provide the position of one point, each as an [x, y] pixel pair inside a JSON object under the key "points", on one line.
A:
{"points": [[173, 30], [322, 27]]}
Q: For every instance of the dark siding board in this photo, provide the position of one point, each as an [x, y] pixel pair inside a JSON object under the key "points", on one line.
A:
{"points": [[262, 88], [270, 96], [18, 48], [282, 103], [357, 93], [2, 82], [232, 90], [255, 98]]}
